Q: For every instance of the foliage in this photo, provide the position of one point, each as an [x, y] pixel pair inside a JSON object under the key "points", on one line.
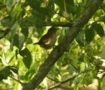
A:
{"points": [[20, 59]]}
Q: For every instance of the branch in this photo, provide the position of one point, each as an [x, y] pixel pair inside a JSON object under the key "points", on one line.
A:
{"points": [[17, 80], [68, 79], [63, 24], [64, 45]]}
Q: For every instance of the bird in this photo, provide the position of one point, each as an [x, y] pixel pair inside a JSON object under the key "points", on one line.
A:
{"points": [[48, 40]]}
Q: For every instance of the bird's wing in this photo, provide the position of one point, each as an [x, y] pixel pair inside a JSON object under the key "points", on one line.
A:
{"points": [[47, 41]]}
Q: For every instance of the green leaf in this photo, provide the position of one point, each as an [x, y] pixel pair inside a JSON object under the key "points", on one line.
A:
{"points": [[27, 59], [25, 31], [87, 79], [16, 12], [89, 34], [80, 39], [50, 5], [10, 3], [93, 74], [6, 21], [81, 58], [103, 83], [99, 29], [82, 66], [102, 17], [2, 5], [29, 74], [4, 73], [14, 69], [71, 69], [67, 2], [1, 34], [4, 32], [35, 5], [19, 40]]}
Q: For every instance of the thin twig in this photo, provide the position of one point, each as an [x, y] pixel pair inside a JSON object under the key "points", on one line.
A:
{"points": [[74, 66], [68, 79], [17, 80], [102, 9], [52, 79]]}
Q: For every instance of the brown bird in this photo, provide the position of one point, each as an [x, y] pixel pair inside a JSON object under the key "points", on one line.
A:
{"points": [[48, 40]]}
